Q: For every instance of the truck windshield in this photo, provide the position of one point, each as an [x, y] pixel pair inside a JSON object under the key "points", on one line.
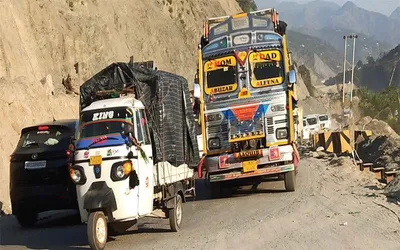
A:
{"points": [[220, 75], [105, 121], [323, 118], [266, 68], [312, 121]]}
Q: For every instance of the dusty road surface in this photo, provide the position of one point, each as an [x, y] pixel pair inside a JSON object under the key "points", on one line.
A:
{"points": [[334, 207]]}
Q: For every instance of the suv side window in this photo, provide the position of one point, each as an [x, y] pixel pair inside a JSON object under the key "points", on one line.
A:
{"points": [[142, 128]]}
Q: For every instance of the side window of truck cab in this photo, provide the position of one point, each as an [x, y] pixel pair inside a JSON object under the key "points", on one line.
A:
{"points": [[142, 127]]}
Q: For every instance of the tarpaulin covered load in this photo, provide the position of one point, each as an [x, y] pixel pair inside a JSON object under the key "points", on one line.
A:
{"points": [[166, 98]]}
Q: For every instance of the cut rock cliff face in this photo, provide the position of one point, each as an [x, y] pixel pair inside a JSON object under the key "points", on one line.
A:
{"points": [[44, 44]]}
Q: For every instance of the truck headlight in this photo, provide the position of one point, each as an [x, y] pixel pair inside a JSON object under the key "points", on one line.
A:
{"points": [[77, 175], [214, 143], [281, 133], [214, 117], [278, 107], [121, 170]]}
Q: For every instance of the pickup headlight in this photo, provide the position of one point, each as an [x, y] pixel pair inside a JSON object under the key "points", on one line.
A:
{"points": [[281, 133], [214, 143], [77, 175], [121, 170]]}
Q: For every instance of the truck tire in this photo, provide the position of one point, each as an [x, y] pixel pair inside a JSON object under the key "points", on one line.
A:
{"points": [[175, 214], [97, 230], [219, 190], [215, 190], [26, 219], [290, 181]]}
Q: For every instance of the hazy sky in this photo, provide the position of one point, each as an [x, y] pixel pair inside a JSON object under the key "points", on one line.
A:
{"points": [[383, 6]]}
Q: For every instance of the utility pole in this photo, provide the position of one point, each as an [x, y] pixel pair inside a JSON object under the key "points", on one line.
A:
{"points": [[354, 37], [344, 66], [351, 117]]}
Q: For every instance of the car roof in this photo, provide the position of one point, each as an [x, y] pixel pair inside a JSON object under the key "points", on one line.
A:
{"points": [[71, 123]]}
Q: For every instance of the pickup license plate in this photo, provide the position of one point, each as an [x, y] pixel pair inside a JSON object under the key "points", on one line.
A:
{"points": [[35, 164], [249, 166], [95, 160]]}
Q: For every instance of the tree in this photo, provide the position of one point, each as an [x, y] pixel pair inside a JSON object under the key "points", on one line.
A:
{"points": [[370, 60], [359, 64], [247, 5]]}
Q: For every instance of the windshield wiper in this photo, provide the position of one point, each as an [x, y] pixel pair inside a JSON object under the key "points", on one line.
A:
{"points": [[100, 139], [28, 145]]}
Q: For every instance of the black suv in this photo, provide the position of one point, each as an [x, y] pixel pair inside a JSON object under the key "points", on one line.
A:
{"points": [[39, 177]]}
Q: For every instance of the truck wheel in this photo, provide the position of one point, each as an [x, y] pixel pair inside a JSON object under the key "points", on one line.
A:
{"points": [[215, 190], [97, 230], [219, 190], [26, 219], [175, 214], [290, 181]]}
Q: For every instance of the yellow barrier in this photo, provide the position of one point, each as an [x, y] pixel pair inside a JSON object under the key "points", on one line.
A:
{"points": [[339, 142]]}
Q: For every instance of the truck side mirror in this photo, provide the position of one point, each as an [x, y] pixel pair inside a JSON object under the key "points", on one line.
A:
{"points": [[292, 76], [196, 90]]}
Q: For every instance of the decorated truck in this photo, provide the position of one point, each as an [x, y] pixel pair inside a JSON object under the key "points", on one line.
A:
{"points": [[247, 100], [136, 149]]}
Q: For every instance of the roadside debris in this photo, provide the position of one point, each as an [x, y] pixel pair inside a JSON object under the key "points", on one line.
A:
{"points": [[392, 190], [378, 127], [383, 151]]}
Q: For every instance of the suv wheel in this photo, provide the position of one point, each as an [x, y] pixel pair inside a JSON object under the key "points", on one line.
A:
{"points": [[26, 219]]}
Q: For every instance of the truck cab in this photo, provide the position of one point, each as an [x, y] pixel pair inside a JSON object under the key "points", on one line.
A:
{"points": [[325, 122], [247, 99]]}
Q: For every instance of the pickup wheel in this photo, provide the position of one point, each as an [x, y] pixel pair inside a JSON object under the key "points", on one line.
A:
{"points": [[175, 214], [290, 181], [97, 230]]}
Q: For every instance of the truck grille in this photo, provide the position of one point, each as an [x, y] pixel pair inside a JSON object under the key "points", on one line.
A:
{"points": [[221, 131], [281, 121]]}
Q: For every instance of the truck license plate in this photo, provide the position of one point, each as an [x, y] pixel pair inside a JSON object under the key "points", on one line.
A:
{"points": [[95, 160], [249, 166]]}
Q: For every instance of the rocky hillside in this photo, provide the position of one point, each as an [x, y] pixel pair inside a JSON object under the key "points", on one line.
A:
{"points": [[330, 22], [375, 75], [43, 42], [396, 14], [319, 56], [322, 14], [365, 45]]}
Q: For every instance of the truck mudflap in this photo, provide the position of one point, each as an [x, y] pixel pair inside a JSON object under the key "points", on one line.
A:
{"points": [[99, 196], [259, 172]]}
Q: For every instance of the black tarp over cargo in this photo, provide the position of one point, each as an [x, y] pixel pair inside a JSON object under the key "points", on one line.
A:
{"points": [[166, 98]]}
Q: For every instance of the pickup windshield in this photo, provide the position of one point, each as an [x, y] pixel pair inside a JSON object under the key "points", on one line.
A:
{"points": [[105, 121], [100, 128]]}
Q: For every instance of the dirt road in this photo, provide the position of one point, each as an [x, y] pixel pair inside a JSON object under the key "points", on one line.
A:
{"points": [[334, 207]]}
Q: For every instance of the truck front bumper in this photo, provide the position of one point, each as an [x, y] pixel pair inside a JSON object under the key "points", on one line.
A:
{"points": [[230, 166], [259, 172]]}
